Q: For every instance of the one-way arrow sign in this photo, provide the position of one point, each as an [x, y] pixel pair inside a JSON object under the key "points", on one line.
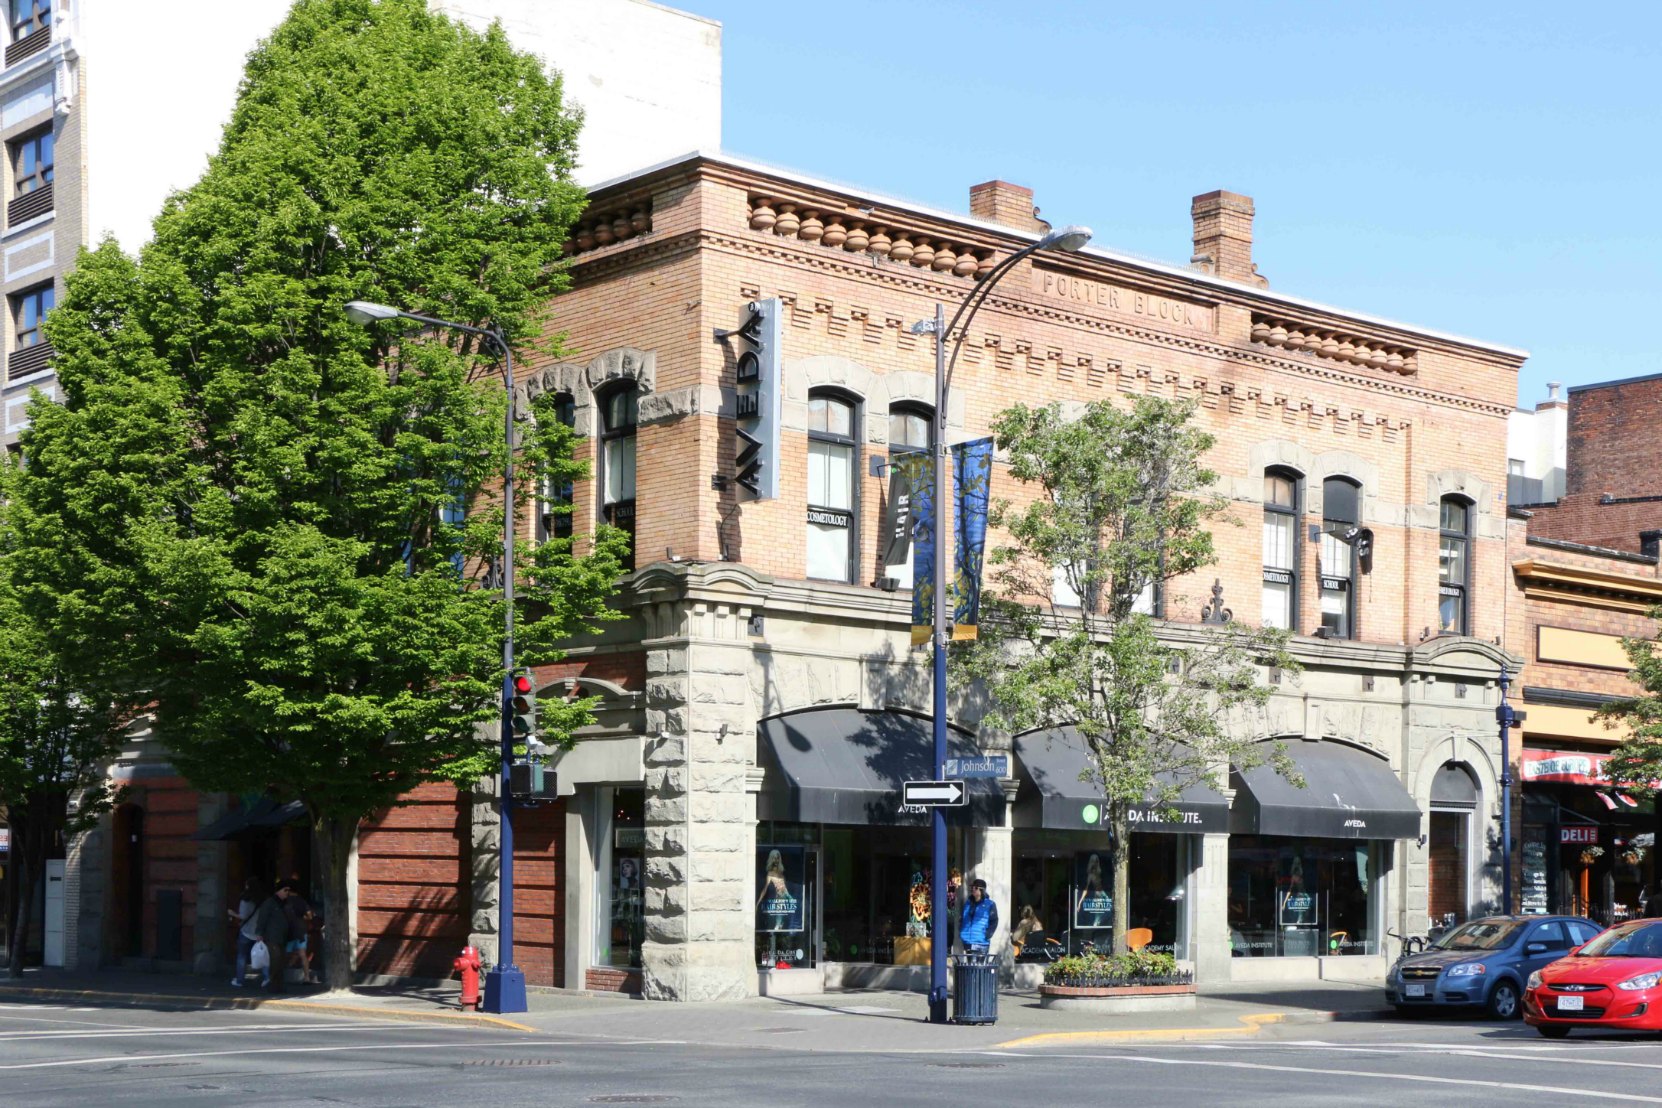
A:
{"points": [[934, 794]]}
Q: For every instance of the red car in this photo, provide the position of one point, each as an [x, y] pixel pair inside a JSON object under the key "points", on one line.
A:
{"points": [[1613, 982]]}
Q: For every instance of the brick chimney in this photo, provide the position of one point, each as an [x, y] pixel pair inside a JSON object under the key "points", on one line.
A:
{"points": [[1007, 204], [1223, 236]]}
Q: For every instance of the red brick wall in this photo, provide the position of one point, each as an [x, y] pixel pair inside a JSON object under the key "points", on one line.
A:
{"points": [[413, 885], [1609, 453], [539, 924], [170, 811]]}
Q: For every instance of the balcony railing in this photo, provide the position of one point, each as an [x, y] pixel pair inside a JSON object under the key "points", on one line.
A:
{"points": [[30, 359], [29, 205], [32, 43]]}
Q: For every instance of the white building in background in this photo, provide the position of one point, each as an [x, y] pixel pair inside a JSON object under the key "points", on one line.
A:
{"points": [[1537, 450], [647, 77]]}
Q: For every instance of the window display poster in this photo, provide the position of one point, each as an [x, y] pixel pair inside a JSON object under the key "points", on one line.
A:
{"points": [[1093, 905], [1534, 869], [1297, 901], [779, 876]]}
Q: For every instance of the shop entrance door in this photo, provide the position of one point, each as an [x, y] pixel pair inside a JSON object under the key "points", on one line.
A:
{"points": [[1447, 844]]}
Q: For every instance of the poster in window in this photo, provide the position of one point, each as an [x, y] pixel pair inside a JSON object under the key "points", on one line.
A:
{"points": [[779, 874], [1093, 905], [1296, 902]]}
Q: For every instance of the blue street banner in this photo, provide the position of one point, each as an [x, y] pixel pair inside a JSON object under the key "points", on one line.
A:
{"points": [[923, 555], [972, 468], [972, 479]]}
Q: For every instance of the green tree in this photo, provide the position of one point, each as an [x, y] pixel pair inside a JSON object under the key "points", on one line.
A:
{"points": [[245, 516], [1636, 763], [1121, 503], [54, 745]]}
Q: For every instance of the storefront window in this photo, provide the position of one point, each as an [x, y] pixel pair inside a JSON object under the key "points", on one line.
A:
{"points": [[786, 877], [1301, 897], [619, 921], [1067, 878]]}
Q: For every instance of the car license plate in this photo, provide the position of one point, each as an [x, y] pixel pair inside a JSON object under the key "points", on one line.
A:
{"points": [[1417, 988], [1570, 1003]]}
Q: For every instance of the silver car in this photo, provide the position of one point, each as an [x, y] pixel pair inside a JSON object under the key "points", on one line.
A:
{"points": [[1484, 963]]}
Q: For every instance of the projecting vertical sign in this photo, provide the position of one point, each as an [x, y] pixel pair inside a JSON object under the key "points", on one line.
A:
{"points": [[756, 460]]}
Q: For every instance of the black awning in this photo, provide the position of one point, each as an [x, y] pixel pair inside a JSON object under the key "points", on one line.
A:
{"points": [[263, 816], [1348, 794], [1053, 764], [843, 765]]}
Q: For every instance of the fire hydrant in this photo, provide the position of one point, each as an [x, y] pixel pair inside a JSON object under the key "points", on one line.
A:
{"points": [[469, 965]]}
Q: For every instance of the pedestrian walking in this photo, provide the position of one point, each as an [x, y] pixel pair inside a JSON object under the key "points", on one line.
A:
{"points": [[979, 922], [253, 892], [270, 925], [298, 913]]}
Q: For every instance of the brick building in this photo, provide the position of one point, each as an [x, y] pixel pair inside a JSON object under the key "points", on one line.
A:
{"points": [[1612, 490], [764, 696]]}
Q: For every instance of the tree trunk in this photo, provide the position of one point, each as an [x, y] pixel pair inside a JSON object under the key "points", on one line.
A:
{"points": [[1121, 829], [334, 839], [29, 871]]}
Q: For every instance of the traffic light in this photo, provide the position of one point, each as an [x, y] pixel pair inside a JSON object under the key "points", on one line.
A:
{"points": [[523, 706], [758, 403]]}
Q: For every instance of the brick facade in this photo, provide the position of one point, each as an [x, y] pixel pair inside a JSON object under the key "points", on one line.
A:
{"points": [[1613, 491]]}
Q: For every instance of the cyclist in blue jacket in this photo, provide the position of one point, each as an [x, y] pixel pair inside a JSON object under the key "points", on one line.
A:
{"points": [[979, 923]]}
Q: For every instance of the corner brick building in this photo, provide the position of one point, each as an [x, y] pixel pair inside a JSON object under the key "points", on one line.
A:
{"points": [[1613, 488], [763, 699]]}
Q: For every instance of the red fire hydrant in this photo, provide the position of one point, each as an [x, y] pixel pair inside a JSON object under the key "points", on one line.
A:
{"points": [[469, 965]]}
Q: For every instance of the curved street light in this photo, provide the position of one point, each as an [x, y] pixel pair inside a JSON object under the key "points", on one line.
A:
{"points": [[1069, 239], [504, 983]]}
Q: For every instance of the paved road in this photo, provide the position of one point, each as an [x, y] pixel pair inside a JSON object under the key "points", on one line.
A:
{"points": [[84, 1055]]}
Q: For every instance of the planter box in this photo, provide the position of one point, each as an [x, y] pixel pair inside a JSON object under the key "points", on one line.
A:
{"points": [[1118, 998]]}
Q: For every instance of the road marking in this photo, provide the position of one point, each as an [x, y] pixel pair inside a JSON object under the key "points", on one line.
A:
{"points": [[141, 1032], [46, 1019], [1250, 1025], [1420, 1078], [1523, 1052], [514, 1044]]}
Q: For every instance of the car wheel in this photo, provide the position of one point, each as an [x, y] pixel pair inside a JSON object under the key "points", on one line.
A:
{"points": [[1551, 1032], [1503, 1000]]}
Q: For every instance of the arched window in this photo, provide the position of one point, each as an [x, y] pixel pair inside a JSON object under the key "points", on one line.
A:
{"points": [[1341, 522], [618, 418], [911, 431], [833, 475], [1454, 566], [1281, 489], [555, 494]]}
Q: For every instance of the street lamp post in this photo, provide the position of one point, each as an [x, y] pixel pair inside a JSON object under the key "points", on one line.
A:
{"points": [[504, 983], [1068, 238]]}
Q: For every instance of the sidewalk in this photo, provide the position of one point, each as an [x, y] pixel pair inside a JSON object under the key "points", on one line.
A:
{"points": [[892, 1022]]}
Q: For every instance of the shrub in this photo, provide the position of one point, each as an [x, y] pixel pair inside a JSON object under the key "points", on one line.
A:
{"points": [[1136, 967]]}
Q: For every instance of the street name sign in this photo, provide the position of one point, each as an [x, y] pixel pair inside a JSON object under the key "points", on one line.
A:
{"points": [[934, 794], [987, 765]]}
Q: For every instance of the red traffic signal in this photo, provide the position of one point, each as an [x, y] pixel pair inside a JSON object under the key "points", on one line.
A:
{"points": [[522, 684], [523, 705]]}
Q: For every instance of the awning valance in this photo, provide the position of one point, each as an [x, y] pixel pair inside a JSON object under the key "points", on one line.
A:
{"points": [[1052, 766], [1348, 794], [847, 766]]}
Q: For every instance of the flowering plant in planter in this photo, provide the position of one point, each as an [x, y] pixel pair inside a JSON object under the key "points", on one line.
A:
{"points": [[1136, 967]]}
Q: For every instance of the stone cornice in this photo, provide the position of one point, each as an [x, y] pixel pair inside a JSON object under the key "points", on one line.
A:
{"points": [[1624, 592]]}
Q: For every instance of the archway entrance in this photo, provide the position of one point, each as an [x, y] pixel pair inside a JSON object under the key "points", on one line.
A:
{"points": [[127, 883]]}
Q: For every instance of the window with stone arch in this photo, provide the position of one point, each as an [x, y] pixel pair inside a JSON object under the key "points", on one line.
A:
{"points": [[554, 497], [833, 485], [619, 417], [1282, 487], [1341, 523], [1454, 541], [911, 431]]}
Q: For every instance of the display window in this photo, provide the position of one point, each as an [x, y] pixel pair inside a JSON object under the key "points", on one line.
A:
{"points": [[1067, 879], [620, 920], [1302, 897]]}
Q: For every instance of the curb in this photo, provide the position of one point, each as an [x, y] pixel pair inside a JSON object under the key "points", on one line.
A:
{"points": [[469, 1019]]}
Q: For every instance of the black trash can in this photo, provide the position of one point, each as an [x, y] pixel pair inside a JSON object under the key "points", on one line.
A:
{"points": [[975, 988]]}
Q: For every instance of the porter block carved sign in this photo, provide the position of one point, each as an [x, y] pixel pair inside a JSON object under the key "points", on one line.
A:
{"points": [[1117, 300]]}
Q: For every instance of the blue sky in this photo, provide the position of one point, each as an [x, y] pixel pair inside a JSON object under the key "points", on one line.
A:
{"points": [[1491, 170]]}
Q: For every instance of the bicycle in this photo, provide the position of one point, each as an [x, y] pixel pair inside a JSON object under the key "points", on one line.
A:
{"points": [[1411, 945]]}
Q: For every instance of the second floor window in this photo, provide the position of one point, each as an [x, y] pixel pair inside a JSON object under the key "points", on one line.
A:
{"points": [[1454, 566], [33, 160], [553, 494], [1341, 517], [619, 417], [29, 311], [29, 16], [832, 452], [1280, 548]]}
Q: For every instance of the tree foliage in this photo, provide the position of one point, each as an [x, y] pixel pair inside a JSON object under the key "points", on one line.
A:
{"points": [[54, 743], [245, 515], [1636, 764], [1121, 504]]}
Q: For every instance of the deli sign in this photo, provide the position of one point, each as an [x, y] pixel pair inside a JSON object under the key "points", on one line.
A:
{"points": [[1579, 835]]}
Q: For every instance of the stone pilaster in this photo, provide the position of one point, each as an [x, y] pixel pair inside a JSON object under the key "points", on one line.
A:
{"points": [[484, 833], [209, 955], [700, 814], [1211, 910]]}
